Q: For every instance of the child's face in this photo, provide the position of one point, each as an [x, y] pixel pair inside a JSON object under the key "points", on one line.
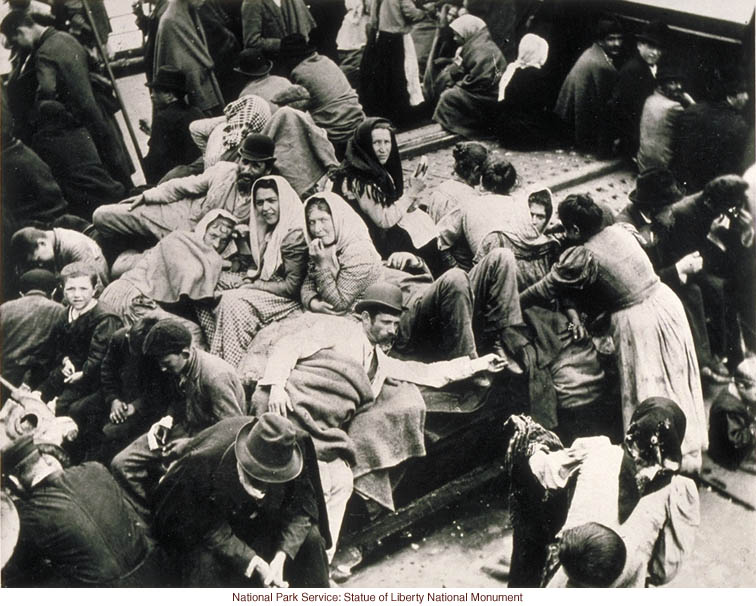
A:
{"points": [[78, 292], [44, 252]]}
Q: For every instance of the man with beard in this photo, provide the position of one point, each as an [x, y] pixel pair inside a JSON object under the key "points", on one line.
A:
{"points": [[361, 348], [180, 203]]}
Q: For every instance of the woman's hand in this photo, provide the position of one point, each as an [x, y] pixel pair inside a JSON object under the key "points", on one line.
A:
{"points": [[279, 401], [318, 252], [322, 307]]}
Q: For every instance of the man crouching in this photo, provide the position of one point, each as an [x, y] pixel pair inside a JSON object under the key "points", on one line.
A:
{"points": [[244, 507]]}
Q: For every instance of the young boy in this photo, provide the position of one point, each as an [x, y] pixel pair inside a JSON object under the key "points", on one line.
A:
{"points": [[80, 345], [55, 248]]}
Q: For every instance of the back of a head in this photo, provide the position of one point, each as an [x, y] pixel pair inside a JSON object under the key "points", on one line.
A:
{"points": [[592, 555], [499, 176], [579, 210], [39, 280], [468, 157]]}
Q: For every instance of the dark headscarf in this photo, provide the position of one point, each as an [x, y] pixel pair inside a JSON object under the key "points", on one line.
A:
{"points": [[361, 167], [652, 451]]}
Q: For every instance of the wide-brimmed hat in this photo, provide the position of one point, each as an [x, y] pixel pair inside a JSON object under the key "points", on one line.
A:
{"points": [[294, 45], [267, 449], [257, 148], [656, 187], [169, 78], [381, 296], [656, 33], [253, 63]]}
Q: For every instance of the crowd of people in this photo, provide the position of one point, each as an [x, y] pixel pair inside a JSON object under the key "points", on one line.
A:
{"points": [[246, 343]]}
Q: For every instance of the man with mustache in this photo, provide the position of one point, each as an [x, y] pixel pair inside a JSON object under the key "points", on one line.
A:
{"points": [[180, 203]]}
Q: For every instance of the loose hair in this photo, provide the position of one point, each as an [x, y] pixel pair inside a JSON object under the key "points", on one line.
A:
{"points": [[263, 183], [579, 210], [319, 203], [592, 555]]}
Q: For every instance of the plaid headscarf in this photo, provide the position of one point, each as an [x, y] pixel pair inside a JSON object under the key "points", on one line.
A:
{"points": [[249, 114]]}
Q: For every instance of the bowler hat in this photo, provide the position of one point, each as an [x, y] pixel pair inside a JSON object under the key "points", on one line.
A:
{"points": [[18, 451], [655, 187], [656, 33], [381, 296], [169, 78], [253, 63], [294, 45], [267, 449], [669, 71], [257, 148]]}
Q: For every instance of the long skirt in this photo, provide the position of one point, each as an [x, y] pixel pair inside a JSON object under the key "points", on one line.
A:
{"points": [[464, 113], [656, 357], [239, 316]]}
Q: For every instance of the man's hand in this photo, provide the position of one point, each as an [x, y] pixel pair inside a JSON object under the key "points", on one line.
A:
{"points": [[576, 325], [274, 578], [279, 401], [120, 411], [404, 261], [690, 264], [74, 378], [67, 368], [323, 307], [134, 201], [492, 363], [175, 448]]}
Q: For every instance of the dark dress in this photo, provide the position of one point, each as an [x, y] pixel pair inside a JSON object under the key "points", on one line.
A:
{"points": [[213, 528], [524, 118], [170, 143]]}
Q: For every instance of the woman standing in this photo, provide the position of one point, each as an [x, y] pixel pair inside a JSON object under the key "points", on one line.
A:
{"points": [[370, 179], [465, 107], [608, 272], [343, 261], [270, 290]]}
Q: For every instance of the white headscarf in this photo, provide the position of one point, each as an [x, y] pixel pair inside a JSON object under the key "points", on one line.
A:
{"points": [[467, 26], [532, 52], [266, 247]]}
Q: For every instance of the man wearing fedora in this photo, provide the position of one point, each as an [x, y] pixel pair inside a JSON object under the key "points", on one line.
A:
{"points": [[170, 142], [266, 22], [255, 66], [180, 203], [659, 117], [635, 83], [286, 383], [244, 507], [673, 232], [76, 528], [334, 105]]}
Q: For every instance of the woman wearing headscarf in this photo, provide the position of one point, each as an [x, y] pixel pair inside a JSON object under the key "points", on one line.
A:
{"points": [[342, 260], [183, 265], [465, 107], [608, 273], [271, 288], [370, 179], [524, 116], [636, 489]]}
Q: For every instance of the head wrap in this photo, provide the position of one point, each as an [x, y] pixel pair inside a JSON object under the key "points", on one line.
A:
{"points": [[205, 222], [266, 246], [361, 167], [349, 229], [467, 26], [533, 52], [250, 114]]}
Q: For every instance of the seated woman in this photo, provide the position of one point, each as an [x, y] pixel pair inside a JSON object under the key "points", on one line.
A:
{"points": [[270, 291], [370, 179], [343, 261], [465, 107], [524, 117], [634, 488], [183, 265], [607, 272]]}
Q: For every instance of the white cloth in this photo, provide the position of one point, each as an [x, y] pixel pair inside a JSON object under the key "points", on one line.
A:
{"points": [[412, 72]]}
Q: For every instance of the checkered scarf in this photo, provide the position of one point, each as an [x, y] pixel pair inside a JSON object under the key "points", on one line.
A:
{"points": [[250, 114]]}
